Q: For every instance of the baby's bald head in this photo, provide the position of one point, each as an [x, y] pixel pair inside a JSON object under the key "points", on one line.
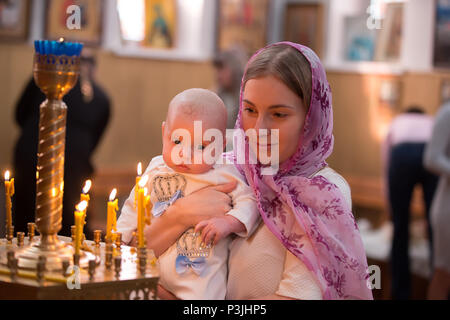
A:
{"points": [[199, 105]]}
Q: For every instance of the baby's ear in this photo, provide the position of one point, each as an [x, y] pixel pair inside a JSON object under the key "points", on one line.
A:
{"points": [[163, 126]]}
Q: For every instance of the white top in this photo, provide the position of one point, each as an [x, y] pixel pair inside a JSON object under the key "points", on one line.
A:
{"points": [[163, 181], [410, 127], [271, 269]]}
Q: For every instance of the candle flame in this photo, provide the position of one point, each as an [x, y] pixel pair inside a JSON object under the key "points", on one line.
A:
{"points": [[7, 175], [112, 196], [145, 191], [82, 206], [54, 192], [143, 181], [87, 186], [61, 39], [139, 169]]}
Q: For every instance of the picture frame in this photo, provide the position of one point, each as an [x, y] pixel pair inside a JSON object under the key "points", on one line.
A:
{"points": [[14, 20], [242, 23], [304, 25], [442, 34], [90, 32], [389, 37], [160, 24]]}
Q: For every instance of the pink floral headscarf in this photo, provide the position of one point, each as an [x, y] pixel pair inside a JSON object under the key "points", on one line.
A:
{"points": [[294, 206]]}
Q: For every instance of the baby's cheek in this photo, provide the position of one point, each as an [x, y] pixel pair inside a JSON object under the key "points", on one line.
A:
{"points": [[167, 154]]}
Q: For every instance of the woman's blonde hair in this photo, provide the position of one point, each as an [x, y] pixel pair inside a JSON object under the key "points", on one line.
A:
{"points": [[287, 64]]}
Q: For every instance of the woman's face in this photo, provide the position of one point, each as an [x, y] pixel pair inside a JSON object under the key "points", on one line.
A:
{"points": [[269, 104]]}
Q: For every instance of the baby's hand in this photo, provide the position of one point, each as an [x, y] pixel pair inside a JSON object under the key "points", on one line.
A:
{"points": [[215, 229]]}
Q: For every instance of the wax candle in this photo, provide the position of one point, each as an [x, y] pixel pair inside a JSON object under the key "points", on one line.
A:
{"points": [[79, 212], [85, 196], [148, 207], [136, 188], [9, 192], [111, 218], [141, 211]]}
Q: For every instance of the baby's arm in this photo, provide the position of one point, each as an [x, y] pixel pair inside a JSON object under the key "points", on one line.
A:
{"points": [[241, 220]]}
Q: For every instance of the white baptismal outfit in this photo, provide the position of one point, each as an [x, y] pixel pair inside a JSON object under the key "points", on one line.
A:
{"points": [[206, 280]]}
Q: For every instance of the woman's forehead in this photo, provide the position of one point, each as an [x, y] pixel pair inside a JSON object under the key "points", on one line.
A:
{"points": [[268, 91]]}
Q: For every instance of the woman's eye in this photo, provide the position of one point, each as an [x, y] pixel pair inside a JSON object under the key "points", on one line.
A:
{"points": [[200, 147], [279, 115], [177, 141], [250, 110]]}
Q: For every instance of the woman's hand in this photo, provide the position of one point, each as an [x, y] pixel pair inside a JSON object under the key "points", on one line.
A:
{"points": [[186, 212], [206, 203]]}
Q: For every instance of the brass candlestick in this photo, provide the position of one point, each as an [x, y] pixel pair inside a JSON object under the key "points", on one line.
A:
{"points": [[118, 240], [97, 237], [20, 238], [9, 233], [31, 231], [56, 69]]}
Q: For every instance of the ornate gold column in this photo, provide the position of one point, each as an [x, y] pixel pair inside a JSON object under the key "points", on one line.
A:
{"points": [[56, 69]]}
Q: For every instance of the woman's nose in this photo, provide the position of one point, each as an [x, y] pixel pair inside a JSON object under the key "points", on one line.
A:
{"points": [[261, 123]]}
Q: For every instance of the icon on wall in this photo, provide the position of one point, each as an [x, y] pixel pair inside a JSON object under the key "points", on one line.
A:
{"points": [[160, 23], [242, 23], [90, 26], [442, 34], [14, 16], [304, 25]]}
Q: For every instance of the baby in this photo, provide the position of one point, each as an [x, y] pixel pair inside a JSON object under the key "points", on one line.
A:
{"points": [[192, 268]]}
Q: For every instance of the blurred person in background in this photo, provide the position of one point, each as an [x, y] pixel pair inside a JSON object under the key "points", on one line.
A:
{"points": [[87, 117], [437, 160], [403, 151], [229, 66]]}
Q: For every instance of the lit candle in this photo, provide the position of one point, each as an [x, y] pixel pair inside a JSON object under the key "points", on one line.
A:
{"points": [[111, 218], [136, 188], [141, 211], [85, 196], [9, 191], [148, 207], [79, 212]]}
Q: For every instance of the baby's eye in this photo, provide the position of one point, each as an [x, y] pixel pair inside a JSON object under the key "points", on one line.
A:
{"points": [[201, 147], [177, 141]]}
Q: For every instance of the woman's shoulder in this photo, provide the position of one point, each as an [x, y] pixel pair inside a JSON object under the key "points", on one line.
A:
{"points": [[333, 177]]}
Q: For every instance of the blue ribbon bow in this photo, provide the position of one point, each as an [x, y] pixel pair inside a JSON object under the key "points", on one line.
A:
{"points": [[161, 206], [183, 263]]}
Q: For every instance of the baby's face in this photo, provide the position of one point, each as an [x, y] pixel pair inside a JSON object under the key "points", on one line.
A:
{"points": [[180, 151]]}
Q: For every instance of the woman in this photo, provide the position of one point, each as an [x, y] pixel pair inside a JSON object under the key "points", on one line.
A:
{"points": [[437, 159], [308, 243]]}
